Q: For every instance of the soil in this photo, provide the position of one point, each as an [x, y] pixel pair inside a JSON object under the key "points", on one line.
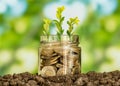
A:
{"points": [[88, 79]]}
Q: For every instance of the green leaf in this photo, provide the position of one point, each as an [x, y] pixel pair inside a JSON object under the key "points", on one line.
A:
{"points": [[68, 23], [62, 19], [46, 26], [56, 21], [44, 33], [58, 27], [62, 31], [57, 24], [71, 22], [71, 28], [59, 21], [59, 35], [68, 33]]}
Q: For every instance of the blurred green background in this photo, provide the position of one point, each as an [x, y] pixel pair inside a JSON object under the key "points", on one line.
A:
{"points": [[21, 26]]}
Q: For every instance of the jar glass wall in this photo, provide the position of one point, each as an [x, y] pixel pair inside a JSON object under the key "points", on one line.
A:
{"points": [[59, 57]]}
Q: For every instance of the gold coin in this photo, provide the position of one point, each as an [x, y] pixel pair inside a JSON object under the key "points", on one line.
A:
{"points": [[75, 70], [59, 65], [47, 52], [54, 58], [48, 62], [60, 72], [58, 50], [48, 71], [75, 50]]}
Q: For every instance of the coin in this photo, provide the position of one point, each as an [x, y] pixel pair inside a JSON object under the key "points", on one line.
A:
{"points": [[54, 54], [58, 65], [47, 53], [58, 50], [48, 71], [48, 62], [60, 71], [73, 58], [52, 59], [75, 50], [75, 70]]}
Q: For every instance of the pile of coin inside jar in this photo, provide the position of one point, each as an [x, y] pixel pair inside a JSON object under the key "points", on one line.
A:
{"points": [[58, 59]]}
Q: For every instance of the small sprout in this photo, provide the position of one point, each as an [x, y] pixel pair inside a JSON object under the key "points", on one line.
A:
{"points": [[71, 23], [59, 21], [46, 27]]}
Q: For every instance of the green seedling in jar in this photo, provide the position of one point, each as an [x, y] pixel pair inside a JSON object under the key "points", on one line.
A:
{"points": [[59, 54], [59, 21], [46, 27], [71, 22]]}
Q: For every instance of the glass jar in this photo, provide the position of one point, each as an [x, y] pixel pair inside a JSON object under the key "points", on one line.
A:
{"points": [[59, 57]]}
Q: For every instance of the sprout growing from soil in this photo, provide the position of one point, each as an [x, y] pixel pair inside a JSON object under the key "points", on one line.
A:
{"points": [[59, 21], [71, 22]]}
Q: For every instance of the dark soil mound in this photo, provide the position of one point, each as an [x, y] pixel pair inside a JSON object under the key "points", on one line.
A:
{"points": [[88, 79]]}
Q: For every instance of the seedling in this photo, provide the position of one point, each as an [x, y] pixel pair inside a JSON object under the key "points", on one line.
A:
{"points": [[71, 22], [46, 27], [59, 21]]}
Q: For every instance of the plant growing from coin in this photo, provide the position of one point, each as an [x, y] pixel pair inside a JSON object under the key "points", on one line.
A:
{"points": [[71, 22], [58, 22], [46, 27]]}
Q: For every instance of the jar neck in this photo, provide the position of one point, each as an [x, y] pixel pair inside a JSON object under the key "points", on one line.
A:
{"points": [[65, 39]]}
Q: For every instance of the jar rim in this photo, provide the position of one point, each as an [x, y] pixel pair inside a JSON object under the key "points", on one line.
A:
{"points": [[57, 36], [64, 38]]}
